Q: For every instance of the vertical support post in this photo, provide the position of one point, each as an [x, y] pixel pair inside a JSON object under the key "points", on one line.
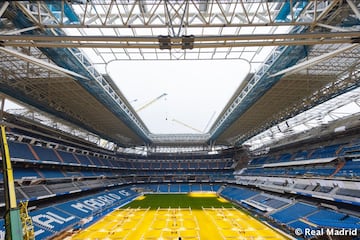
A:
{"points": [[13, 223]]}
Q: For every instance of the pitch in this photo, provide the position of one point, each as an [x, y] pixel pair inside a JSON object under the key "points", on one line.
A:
{"points": [[181, 216]]}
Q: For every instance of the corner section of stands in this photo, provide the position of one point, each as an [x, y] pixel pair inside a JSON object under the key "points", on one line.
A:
{"points": [[330, 171], [290, 213], [79, 213]]}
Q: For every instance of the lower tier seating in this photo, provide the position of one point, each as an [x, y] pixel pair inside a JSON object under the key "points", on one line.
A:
{"points": [[52, 220], [292, 213]]}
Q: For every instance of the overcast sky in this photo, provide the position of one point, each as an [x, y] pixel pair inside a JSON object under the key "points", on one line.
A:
{"points": [[196, 91]]}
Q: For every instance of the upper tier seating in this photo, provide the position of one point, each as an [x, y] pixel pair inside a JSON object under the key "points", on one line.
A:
{"points": [[310, 170], [324, 152], [46, 154], [351, 150], [67, 157], [83, 159], [29, 153], [334, 160], [20, 150]]}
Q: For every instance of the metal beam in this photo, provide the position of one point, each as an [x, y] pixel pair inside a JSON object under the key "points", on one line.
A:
{"points": [[314, 61], [41, 63], [3, 8], [249, 40], [176, 46], [195, 25], [146, 13], [19, 30], [243, 37]]}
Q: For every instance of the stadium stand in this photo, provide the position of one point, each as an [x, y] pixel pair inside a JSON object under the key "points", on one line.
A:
{"points": [[78, 213], [180, 187], [292, 213], [85, 150], [47, 170], [21, 151], [308, 176], [272, 185]]}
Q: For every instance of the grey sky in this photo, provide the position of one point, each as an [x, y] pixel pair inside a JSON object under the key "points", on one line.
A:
{"points": [[197, 91]]}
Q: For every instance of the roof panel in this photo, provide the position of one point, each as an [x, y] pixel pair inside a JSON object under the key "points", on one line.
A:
{"points": [[216, 25]]}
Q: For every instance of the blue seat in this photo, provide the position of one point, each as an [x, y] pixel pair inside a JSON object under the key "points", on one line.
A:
{"points": [[84, 160], [2, 227], [194, 165], [95, 161], [238, 194], [165, 165], [195, 187], [51, 173], [20, 150], [303, 226], [67, 157], [174, 187], [293, 212], [184, 188], [52, 219], [163, 188], [206, 187], [46, 154], [20, 173], [216, 187], [155, 165], [330, 218]]}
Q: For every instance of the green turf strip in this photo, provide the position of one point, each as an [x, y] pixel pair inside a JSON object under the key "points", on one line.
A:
{"points": [[155, 201]]}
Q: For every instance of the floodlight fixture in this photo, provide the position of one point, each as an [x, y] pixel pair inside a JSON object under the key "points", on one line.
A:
{"points": [[187, 42], [164, 42]]}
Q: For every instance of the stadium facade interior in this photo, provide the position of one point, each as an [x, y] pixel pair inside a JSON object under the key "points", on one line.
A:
{"points": [[285, 147]]}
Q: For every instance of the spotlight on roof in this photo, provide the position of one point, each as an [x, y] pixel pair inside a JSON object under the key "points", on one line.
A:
{"points": [[164, 42], [187, 42]]}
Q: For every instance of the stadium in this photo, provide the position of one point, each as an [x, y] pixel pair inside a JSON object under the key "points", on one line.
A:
{"points": [[167, 119]]}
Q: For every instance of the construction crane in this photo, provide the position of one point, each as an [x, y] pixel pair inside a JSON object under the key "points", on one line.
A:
{"points": [[174, 120], [18, 223], [27, 224], [151, 102], [186, 125], [13, 225], [209, 121], [193, 128]]}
